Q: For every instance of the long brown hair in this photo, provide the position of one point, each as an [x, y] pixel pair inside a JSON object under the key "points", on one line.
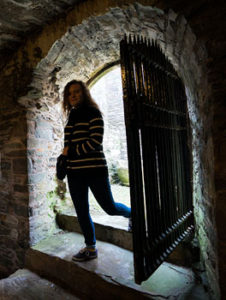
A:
{"points": [[87, 99]]}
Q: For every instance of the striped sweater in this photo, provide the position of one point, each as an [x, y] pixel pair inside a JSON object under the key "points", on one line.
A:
{"points": [[84, 136]]}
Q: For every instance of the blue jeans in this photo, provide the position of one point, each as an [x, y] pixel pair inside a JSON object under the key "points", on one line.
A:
{"points": [[101, 189]]}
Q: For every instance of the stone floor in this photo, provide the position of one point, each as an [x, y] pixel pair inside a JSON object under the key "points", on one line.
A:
{"points": [[26, 285]]}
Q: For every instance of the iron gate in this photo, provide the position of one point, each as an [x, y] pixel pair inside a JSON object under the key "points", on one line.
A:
{"points": [[158, 153]]}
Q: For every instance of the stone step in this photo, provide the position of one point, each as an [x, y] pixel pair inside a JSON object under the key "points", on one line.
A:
{"points": [[108, 277], [26, 285], [114, 230], [107, 229]]}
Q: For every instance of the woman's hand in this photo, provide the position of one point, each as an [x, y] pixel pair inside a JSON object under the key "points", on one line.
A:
{"points": [[65, 151]]}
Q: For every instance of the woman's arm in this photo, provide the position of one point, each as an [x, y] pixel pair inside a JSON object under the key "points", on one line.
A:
{"points": [[94, 140], [65, 150], [67, 133]]}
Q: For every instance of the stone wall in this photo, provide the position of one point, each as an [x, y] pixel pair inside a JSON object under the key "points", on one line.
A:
{"points": [[29, 140], [44, 143], [14, 200], [14, 225], [69, 44]]}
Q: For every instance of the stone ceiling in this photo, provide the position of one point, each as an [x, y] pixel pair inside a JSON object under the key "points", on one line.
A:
{"points": [[20, 17]]}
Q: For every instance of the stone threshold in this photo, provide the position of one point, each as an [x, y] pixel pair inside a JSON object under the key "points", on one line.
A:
{"points": [[114, 230], [108, 277], [111, 276], [107, 229]]}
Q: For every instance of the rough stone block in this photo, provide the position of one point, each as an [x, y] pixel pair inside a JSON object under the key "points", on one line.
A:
{"points": [[200, 51], [36, 144], [6, 261], [5, 165], [4, 230], [16, 153], [172, 15], [21, 210], [20, 166], [37, 178], [189, 38], [8, 220], [55, 51], [44, 134], [20, 188], [221, 214], [6, 126], [169, 34], [146, 12], [20, 179], [31, 127], [3, 206], [213, 282], [14, 234], [20, 129], [107, 22]]}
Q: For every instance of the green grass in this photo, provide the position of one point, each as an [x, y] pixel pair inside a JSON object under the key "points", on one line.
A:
{"points": [[120, 194]]}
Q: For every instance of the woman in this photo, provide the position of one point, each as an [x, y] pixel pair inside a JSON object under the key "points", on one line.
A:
{"points": [[86, 163]]}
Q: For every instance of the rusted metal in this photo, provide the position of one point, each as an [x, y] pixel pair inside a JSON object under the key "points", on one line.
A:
{"points": [[159, 160]]}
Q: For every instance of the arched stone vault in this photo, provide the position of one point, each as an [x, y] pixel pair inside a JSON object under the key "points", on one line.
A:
{"points": [[86, 48]]}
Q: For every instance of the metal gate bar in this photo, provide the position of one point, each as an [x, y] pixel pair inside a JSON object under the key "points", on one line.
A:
{"points": [[159, 160]]}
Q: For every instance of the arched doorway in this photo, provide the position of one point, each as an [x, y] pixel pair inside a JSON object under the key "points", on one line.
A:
{"points": [[93, 51]]}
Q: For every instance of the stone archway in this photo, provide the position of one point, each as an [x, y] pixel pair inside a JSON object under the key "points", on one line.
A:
{"points": [[80, 53]]}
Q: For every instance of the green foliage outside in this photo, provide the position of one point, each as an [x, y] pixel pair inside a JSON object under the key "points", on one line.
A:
{"points": [[54, 196], [119, 175], [123, 176]]}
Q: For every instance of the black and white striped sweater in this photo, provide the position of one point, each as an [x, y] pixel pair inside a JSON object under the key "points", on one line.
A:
{"points": [[84, 136]]}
